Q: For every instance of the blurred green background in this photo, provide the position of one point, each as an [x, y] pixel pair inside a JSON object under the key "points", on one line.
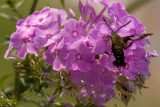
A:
{"points": [[148, 14]]}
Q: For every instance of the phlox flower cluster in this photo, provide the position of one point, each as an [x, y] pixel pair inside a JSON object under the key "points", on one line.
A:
{"points": [[74, 44]]}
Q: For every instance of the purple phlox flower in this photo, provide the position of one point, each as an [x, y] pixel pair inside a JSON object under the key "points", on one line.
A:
{"points": [[100, 36], [45, 74], [101, 70], [89, 43], [116, 11], [147, 42], [22, 25], [59, 15], [120, 17], [40, 18], [56, 54], [99, 94], [106, 74], [86, 11], [72, 14], [51, 84], [8, 50], [80, 57], [150, 55], [51, 99], [135, 63], [68, 105], [46, 35], [134, 30], [76, 76], [89, 77], [23, 43], [73, 30], [8, 54]]}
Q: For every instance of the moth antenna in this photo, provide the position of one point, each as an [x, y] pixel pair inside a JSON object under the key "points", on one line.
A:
{"points": [[123, 26], [107, 24]]}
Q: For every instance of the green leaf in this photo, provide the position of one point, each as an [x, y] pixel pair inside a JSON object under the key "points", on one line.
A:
{"points": [[8, 17], [4, 6], [19, 4], [3, 79], [62, 2], [38, 103]]}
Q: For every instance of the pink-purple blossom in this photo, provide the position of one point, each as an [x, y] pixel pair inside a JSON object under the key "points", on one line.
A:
{"points": [[23, 43], [100, 37], [79, 57], [83, 47], [47, 35], [56, 55], [73, 30]]}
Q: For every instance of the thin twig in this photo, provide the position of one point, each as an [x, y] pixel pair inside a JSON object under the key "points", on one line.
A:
{"points": [[33, 6]]}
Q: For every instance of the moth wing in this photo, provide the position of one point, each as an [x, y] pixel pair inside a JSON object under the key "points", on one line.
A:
{"points": [[132, 39], [138, 37]]}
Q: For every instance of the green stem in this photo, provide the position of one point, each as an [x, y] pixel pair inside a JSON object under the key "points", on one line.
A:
{"points": [[16, 85], [33, 6]]}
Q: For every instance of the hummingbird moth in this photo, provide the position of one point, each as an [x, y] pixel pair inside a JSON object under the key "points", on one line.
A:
{"points": [[119, 43]]}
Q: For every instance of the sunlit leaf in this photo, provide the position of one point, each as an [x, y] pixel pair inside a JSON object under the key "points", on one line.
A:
{"points": [[4, 6], [8, 17], [19, 4], [3, 79]]}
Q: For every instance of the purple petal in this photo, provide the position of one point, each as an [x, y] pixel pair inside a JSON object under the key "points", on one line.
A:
{"points": [[22, 52], [31, 48], [49, 56], [103, 28], [72, 14], [117, 10], [16, 40], [8, 50], [45, 74], [58, 63], [51, 99], [90, 77], [40, 42], [76, 76]]}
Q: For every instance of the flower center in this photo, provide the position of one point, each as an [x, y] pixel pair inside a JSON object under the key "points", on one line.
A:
{"points": [[26, 40], [103, 69], [56, 52], [127, 66], [78, 56], [89, 44], [132, 31], [28, 26], [48, 36], [116, 18], [135, 58], [40, 20], [74, 33], [105, 37]]}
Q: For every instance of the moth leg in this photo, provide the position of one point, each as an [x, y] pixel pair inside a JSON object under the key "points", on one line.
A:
{"points": [[108, 53]]}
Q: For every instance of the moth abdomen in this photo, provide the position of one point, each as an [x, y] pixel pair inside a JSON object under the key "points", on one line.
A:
{"points": [[119, 55]]}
